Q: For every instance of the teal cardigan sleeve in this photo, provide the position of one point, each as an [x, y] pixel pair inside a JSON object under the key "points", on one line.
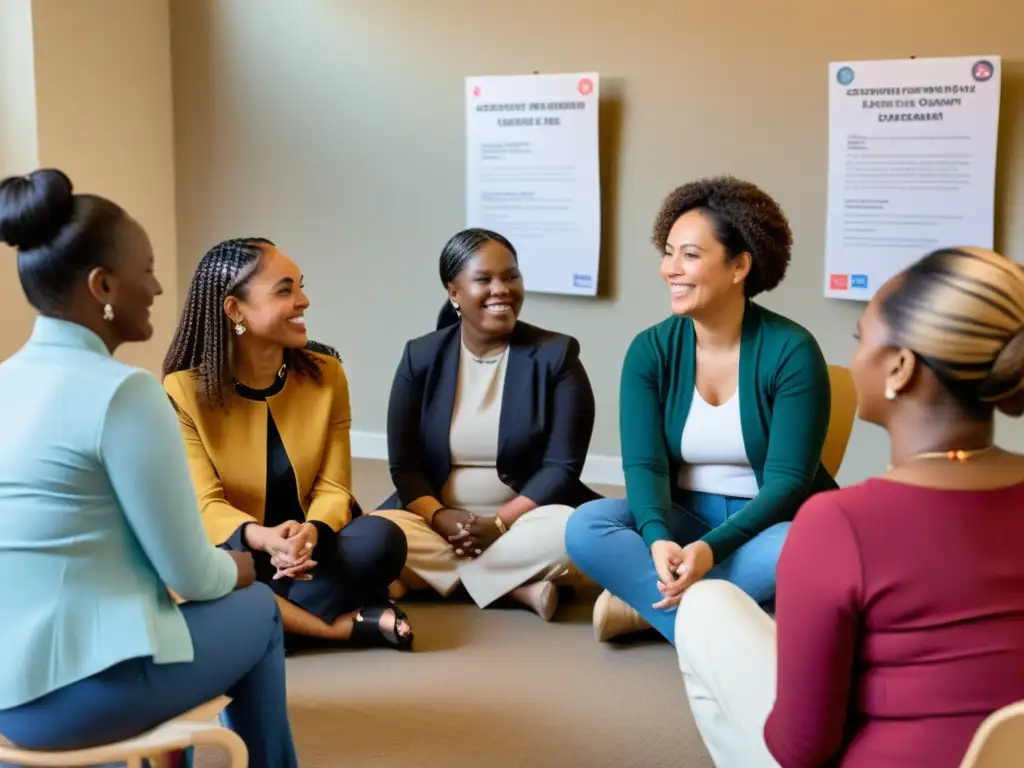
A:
{"points": [[142, 450], [645, 460], [796, 436]]}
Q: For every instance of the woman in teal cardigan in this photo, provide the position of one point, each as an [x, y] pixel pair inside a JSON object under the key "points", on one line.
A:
{"points": [[723, 411]]}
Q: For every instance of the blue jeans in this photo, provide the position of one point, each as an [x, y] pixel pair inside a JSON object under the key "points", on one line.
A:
{"points": [[239, 651], [603, 542]]}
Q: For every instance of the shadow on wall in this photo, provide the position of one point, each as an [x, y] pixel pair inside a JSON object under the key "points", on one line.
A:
{"points": [[1011, 145], [609, 126]]}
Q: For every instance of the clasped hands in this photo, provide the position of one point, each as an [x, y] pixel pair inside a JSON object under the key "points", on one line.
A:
{"points": [[290, 546], [678, 568], [470, 535]]}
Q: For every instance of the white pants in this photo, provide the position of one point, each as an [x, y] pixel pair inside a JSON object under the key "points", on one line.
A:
{"points": [[533, 549], [726, 647]]}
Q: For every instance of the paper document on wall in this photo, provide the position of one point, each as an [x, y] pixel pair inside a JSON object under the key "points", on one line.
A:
{"points": [[912, 163], [532, 174]]}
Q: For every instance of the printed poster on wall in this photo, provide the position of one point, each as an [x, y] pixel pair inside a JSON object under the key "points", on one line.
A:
{"points": [[911, 165], [532, 174]]}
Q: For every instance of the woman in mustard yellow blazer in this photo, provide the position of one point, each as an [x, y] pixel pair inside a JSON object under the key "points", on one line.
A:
{"points": [[265, 415]]}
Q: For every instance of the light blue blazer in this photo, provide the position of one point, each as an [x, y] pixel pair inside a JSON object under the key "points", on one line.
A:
{"points": [[98, 517]]}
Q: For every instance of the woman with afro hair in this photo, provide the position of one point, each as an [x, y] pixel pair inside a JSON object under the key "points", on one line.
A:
{"points": [[723, 411]]}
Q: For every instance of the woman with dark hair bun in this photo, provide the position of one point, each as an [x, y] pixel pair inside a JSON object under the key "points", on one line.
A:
{"points": [[489, 425], [98, 518]]}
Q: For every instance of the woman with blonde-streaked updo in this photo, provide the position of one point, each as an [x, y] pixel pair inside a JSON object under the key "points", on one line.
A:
{"points": [[900, 600]]}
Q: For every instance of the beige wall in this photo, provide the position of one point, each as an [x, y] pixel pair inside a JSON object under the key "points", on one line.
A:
{"points": [[86, 87], [18, 151], [336, 129], [104, 106]]}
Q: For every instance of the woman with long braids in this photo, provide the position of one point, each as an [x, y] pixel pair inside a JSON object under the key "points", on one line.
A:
{"points": [[265, 416], [488, 427]]}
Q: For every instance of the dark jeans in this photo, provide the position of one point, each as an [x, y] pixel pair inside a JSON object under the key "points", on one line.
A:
{"points": [[239, 651]]}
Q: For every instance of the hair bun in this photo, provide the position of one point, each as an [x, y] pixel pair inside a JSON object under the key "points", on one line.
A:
{"points": [[34, 208], [1006, 378]]}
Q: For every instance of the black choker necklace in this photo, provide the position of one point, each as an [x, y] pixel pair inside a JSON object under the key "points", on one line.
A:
{"points": [[281, 372]]}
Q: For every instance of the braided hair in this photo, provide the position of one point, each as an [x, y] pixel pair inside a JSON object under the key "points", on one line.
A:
{"points": [[202, 340]]}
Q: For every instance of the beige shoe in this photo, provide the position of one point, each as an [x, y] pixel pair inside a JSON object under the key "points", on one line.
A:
{"points": [[612, 618], [541, 597]]}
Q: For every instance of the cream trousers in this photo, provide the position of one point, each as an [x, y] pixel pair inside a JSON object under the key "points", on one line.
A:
{"points": [[726, 648], [533, 549]]}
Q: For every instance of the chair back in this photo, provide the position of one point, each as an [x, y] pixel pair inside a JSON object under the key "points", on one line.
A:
{"points": [[840, 424], [999, 740]]}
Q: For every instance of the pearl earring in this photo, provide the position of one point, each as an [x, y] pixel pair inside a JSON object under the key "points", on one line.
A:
{"points": [[108, 312], [890, 393], [239, 329]]}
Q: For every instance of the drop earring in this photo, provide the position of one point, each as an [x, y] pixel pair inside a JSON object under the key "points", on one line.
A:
{"points": [[890, 393], [455, 306], [239, 329], [108, 313]]}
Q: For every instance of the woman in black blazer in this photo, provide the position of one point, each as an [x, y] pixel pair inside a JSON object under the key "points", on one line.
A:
{"points": [[489, 424]]}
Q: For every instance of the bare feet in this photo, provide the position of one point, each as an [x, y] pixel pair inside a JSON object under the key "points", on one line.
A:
{"points": [[541, 598], [613, 617], [388, 624]]}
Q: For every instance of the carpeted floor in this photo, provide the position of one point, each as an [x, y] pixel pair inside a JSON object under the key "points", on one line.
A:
{"points": [[491, 689]]}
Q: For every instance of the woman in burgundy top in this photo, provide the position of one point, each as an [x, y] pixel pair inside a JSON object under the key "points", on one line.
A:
{"points": [[900, 603]]}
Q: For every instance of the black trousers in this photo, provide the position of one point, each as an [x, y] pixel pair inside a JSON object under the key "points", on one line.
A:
{"points": [[354, 567]]}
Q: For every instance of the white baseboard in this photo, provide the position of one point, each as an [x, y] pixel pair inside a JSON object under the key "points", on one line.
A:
{"points": [[605, 470], [369, 445]]}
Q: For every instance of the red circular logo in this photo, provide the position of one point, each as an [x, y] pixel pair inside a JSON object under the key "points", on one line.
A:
{"points": [[586, 86], [476, 90]]}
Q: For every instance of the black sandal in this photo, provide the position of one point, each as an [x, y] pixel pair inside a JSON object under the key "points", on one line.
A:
{"points": [[368, 632]]}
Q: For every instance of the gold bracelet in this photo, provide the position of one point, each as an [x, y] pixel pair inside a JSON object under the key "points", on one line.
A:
{"points": [[501, 524]]}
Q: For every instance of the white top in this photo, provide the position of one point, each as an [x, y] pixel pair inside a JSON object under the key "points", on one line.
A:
{"points": [[714, 457], [473, 482]]}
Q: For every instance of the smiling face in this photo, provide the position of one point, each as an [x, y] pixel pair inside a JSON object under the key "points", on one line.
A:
{"points": [[697, 268], [489, 291], [272, 302], [130, 286]]}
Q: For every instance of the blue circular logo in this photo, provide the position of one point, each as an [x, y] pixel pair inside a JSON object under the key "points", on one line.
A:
{"points": [[844, 76]]}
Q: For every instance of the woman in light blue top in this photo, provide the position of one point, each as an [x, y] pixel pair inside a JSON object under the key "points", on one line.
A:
{"points": [[98, 517]]}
